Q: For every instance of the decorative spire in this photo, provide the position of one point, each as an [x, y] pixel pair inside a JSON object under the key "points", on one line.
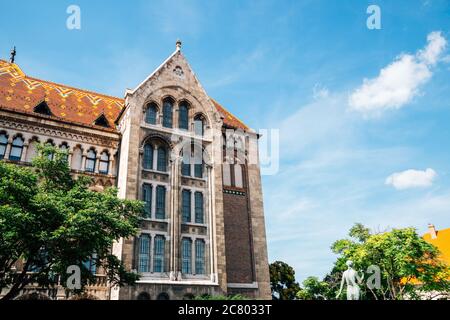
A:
{"points": [[13, 55], [178, 45]]}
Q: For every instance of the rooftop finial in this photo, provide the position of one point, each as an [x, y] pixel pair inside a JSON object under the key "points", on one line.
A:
{"points": [[13, 55], [178, 44]]}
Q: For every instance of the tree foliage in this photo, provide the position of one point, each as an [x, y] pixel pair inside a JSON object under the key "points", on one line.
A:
{"points": [[282, 281], [49, 221], [409, 265]]}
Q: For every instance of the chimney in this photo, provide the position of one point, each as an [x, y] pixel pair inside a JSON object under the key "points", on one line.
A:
{"points": [[432, 231]]}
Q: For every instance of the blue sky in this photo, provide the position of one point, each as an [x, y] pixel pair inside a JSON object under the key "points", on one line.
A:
{"points": [[297, 66]]}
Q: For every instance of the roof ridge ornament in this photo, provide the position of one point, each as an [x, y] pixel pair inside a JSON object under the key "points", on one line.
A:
{"points": [[13, 55], [178, 45]]}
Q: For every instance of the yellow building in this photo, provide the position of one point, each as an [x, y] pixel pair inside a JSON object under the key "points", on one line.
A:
{"points": [[441, 240]]}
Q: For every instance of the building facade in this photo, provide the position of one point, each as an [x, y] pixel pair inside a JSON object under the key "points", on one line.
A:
{"points": [[193, 164]]}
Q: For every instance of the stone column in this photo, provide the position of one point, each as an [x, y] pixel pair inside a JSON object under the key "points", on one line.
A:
{"points": [[23, 157], [83, 162], [110, 165], [8, 148], [69, 158], [97, 163]]}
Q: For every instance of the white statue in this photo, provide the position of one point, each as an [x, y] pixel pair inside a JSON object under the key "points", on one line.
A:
{"points": [[351, 277]]}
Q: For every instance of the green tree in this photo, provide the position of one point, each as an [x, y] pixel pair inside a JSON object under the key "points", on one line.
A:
{"points": [[49, 221], [409, 265], [314, 289], [282, 281]]}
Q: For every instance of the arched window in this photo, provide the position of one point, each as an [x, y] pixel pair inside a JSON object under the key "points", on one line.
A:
{"points": [[143, 296], [158, 255], [77, 157], [150, 114], [163, 296], [199, 125], [103, 166], [183, 119], [51, 155], [148, 156], [3, 144], [167, 113], [162, 159], [65, 147], [91, 158], [144, 253], [186, 254], [16, 149], [199, 256]]}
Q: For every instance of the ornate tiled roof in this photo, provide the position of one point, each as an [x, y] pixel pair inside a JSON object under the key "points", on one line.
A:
{"points": [[229, 119], [22, 93]]}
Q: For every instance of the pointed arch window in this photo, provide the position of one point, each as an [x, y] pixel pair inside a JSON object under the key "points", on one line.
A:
{"points": [[103, 166], [3, 144], [199, 125], [16, 149], [150, 114], [91, 159], [167, 113], [183, 119], [64, 147]]}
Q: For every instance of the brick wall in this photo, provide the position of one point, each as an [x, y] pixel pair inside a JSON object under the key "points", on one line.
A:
{"points": [[238, 245]]}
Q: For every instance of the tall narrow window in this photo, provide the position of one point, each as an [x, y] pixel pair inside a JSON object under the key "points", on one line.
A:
{"points": [[150, 114], [199, 126], [103, 166], [147, 198], [158, 254], [199, 256], [160, 202], [199, 216], [185, 168], [167, 113], [51, 155], [186, 254], [198, 170], [3, 144], [148, 156], [183, 119], [91, 263], [144, 253], [16, 149], [90, 160], [162, 159], [186, 206], [65, 147]]}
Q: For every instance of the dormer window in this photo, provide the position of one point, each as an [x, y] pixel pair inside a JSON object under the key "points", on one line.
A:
{"points": [[102, 121], [43, 108]]}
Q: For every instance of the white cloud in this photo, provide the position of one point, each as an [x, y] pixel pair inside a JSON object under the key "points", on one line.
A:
{"points": [[411, 179], [399, 82]]}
